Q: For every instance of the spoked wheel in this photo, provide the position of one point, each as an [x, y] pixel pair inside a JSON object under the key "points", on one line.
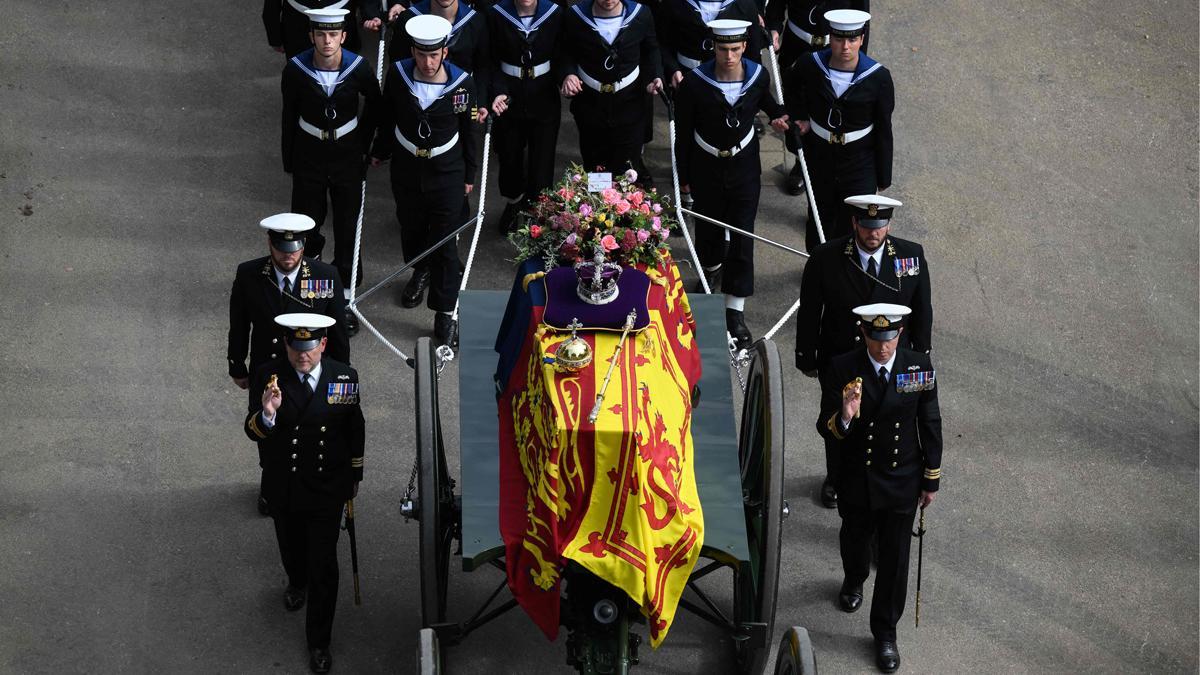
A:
{"points": [[429, 655], [434, 489], [796, 655], [760, 455]]}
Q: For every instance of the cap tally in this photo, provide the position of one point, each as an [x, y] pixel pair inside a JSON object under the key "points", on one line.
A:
{"points": [[847, 22]]}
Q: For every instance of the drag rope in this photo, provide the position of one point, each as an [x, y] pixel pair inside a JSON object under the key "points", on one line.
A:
{"points": [[777, 85], [687, 237]]}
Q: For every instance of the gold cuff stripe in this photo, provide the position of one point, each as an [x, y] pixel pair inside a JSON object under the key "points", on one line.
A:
{"points": [[835, 426], [253, 424], [933, 474], [356, 461]]}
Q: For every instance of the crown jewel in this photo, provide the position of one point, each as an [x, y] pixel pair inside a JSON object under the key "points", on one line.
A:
{"points": [[597, 279]]}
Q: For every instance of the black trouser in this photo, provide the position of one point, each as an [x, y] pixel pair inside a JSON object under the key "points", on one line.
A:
{"points": [[425, 217], [345, 197], [308, 548], [732, 206], [525, 148], [614, 148], [894, 535], [830, 187]]}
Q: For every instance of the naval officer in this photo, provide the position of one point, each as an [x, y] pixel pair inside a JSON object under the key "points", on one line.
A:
{"points": [[879, 406]]}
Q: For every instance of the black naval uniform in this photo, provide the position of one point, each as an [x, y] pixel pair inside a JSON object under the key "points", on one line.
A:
{"points": [[685, 39], [256, 299], [717, 156], [888, 455], [325, 139], [434, 153], [526, 135], [841, 164], [254, 302], [288, 26], [834, 283], [612, 109], [314, 456], [803, 30]]}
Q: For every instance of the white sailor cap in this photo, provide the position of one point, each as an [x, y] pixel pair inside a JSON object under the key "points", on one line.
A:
{"points": [[882, 320], [305, 330], [846, 22], [327, 19], [728, 30], [428, 32], [877, 210], [285, 230]]}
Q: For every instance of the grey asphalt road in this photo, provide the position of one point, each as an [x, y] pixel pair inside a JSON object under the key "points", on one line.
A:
{"points": [[1047, 155]]}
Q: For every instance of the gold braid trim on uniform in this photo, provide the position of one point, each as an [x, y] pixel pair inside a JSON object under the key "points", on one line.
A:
{"points": [[933, 474], [356, 462], [253, 424], [835, 427]]}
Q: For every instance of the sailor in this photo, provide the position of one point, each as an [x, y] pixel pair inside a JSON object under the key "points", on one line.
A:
{"points": [[430, 138], [468, 42], [524, 38], [798, 28], [718, 162], [609, 66], [879, 406], [306, 418], [327, 130], [842, 102], [868, 266], [685, 38], [287, 23], [282, 281]]}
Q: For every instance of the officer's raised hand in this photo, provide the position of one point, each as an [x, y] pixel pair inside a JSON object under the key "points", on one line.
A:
{"points": [[500, 104], [272, 398], [780, 124], [851, 399], [655, 85], [571, 85]]}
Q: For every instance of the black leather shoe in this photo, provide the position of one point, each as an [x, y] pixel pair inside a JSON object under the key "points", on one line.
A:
{"points": [[293, 598], [735, 323], [714, 281], [263, 508], [414, 290], [828, 496], [351, 323], [850, 598], [794, 183], [445, 330], [887, 656], [319, 660]]}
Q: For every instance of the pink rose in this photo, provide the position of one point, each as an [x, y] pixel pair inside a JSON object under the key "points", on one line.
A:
{"points": [[642, 236], [535, 231], [610, 196], [656, 223], [566, 193], [576, 178], [571, 238], [656, 208], [644, 208], [609, 243], [636, 198], [621, 206], [585, 210]]}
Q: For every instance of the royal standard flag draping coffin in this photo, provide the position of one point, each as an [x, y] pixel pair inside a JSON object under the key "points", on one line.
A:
{"points": [[618, 497]]}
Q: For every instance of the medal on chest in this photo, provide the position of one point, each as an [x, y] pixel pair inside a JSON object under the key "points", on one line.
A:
{"points": [[459, 100], [911, 382], [908, 267], [345, 393], [316, 288]]}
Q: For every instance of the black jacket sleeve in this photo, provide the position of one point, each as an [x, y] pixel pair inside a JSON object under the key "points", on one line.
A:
{"points": [[467, 127], [272, 17], [884, 105], [239, 330], [385, 140], [808, 317], [685, 124], [920, 324]]}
